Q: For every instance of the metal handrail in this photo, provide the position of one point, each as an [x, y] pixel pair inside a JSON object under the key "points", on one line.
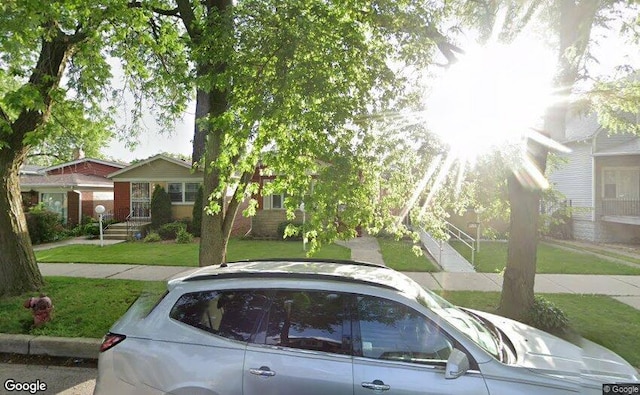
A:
{"points": [[458, 236], [127, 221]]}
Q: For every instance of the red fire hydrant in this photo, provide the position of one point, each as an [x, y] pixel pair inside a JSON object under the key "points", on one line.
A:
{"points": [[41, 308]]}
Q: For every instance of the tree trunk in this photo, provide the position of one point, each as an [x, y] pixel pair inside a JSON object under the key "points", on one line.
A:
{"points": [[213, 243], [216, 228], [199, 133], [18, 269], [519, 276], [576, 20]]}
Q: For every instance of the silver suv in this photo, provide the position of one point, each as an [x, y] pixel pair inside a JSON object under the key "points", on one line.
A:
{"points": [[333, 327]]}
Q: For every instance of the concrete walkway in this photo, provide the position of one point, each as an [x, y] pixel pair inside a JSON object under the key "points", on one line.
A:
{"points": [[75, 240], [446, 256], [363, 249]]}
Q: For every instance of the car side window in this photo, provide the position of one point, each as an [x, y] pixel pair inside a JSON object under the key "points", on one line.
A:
{"points": [[392, 331], [308, 320], [231, 314]]}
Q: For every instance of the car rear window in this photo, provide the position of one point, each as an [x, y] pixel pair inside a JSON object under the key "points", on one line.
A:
{"points": [[231, 314], [146, 302]]}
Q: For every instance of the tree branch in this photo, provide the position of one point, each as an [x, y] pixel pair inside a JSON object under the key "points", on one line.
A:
{"points": [[446, 48], [189, 19], [234, 203], [52, 155], [4, 115], [157, 10]]}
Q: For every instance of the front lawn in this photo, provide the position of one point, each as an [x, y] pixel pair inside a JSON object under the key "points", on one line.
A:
{"points": [[82, 307], [492, 258], [88, 308], [399, 255], [172, 254]]}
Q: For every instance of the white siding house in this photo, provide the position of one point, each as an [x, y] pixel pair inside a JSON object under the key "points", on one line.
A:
{"points": [[601, 179]]}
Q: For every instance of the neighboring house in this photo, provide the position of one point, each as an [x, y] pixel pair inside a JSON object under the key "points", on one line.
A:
{"points": [[72, 189], [270, 211], [133, 187], [601, 179]]}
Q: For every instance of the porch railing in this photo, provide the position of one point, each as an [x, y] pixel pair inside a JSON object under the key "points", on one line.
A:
{"points": [[621, 207]]}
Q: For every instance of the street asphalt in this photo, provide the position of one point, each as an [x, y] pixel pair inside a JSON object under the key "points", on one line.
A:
{"points": [[623, 288]]}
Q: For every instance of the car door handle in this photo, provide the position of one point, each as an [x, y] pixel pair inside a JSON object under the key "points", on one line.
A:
{"points": [[263, 371], [376, 385]]}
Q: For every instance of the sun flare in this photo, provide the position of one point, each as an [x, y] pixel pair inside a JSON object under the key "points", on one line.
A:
{"points": [[491, 97]]}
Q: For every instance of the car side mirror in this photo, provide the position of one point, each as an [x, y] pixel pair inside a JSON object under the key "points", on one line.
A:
{"points": [[457, 364]]}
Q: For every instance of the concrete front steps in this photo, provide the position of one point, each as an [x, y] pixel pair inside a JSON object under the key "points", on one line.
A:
{"points": [[123, 230]]}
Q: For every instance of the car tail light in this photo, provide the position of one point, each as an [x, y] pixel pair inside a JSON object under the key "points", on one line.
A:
{"points": [[110, 340]]}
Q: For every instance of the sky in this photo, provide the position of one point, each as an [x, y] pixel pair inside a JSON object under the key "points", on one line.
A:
{"points": [[153, 140]]}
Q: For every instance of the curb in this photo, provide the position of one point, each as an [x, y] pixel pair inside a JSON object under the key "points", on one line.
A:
{"points": [[74, 347]]}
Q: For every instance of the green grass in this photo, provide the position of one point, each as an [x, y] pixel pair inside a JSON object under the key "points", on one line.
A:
{"points": [[602, 252], [82, 307], [89, 307], [398, 255], [493, 257], [600, 319], [172, 254]]}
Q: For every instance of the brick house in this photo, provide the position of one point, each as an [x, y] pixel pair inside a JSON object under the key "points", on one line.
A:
{"points": [[133, 189], [71, 189], [270, 211]]}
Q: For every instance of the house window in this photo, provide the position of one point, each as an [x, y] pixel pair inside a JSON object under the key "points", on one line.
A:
{"points": [[274, 201], [191, 191], [621, 183], [183, 192], [55, 202], [175, 192]]}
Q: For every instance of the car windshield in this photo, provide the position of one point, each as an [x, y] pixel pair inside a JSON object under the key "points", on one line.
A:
{"points": [[468, 324]]}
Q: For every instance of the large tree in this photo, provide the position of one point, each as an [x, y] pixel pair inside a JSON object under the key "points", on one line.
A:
{"points": [[288, 86], [568, 28], [52, 53], [572, 23]]}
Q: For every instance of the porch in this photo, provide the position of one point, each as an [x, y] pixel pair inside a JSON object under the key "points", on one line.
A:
{"points": [[621, 211]]}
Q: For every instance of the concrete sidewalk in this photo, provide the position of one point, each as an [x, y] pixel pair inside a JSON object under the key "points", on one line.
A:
{"points": [[623, 288]]}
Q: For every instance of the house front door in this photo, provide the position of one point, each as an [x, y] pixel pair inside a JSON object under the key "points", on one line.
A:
{"points": [[140, 200]]}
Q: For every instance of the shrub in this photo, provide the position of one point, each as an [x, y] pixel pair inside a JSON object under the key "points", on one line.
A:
{"points": [[152, 237], [160, 207], [184, 237], [91, 229], [296, 228], [196, 214], [170, 231], [546, 316], [44, 225]]}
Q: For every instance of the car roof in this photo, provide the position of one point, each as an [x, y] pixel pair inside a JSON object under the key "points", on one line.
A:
{"points": [[310, 269]]}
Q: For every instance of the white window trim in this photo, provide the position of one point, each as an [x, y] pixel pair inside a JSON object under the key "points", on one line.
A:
{"points": [[267, 200], [183, 190]]}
